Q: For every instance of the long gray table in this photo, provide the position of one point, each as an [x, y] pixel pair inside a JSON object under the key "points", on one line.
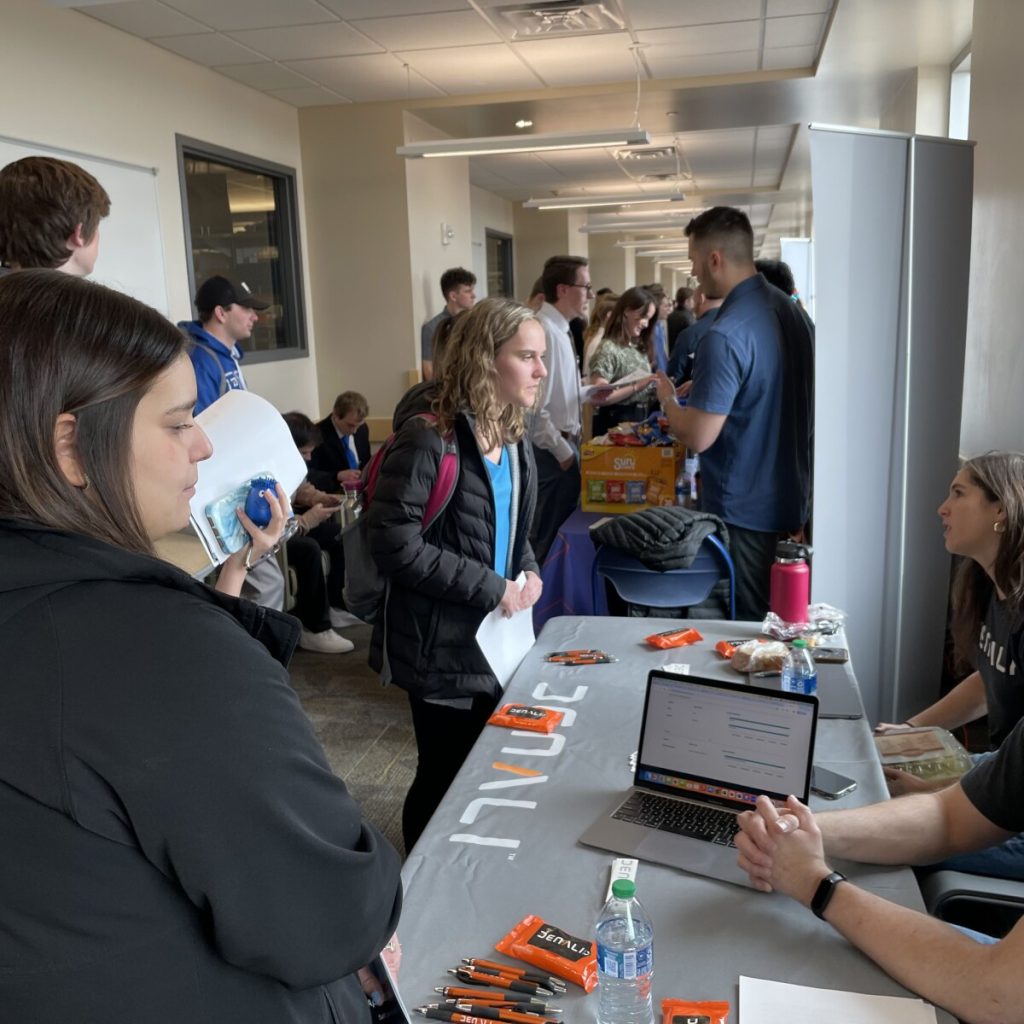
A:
{"points": [[502, 846]]}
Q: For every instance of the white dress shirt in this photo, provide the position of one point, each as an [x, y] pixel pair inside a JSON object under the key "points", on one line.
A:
{"points": [[559, 410]]}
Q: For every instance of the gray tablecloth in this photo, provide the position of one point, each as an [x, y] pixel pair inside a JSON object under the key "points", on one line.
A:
{"points": [[502, 846]]}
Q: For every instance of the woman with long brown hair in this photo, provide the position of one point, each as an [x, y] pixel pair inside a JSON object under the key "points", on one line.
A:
{"points": [[443, 582], [175, 844], [983, 523], [623, 351]]}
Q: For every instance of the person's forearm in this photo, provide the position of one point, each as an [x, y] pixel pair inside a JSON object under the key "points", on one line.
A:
{"points": [[911, 830], [929, 957], [677, 424], [966, 702]]}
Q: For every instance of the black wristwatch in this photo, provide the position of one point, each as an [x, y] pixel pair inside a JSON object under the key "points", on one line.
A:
{"points": [[823, 894]]}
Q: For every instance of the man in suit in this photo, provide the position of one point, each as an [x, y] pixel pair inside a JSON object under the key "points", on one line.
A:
{"points": [[344, 439]]}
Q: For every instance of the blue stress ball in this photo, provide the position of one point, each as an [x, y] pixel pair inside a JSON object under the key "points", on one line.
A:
{"points": [[257, 508]]}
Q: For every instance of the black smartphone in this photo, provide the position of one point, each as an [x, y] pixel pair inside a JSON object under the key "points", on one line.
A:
{"points": [[830, 785]]}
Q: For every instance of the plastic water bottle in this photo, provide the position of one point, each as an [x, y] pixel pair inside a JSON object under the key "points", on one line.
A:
{"points": [[625, 959], [799, 673]]}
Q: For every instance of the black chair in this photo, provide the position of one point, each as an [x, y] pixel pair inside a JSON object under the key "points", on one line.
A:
{"points": [[674, 588], [989, 905]]}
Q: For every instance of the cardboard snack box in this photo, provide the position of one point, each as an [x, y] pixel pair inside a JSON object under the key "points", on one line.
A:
{"points": [[623, 479]]}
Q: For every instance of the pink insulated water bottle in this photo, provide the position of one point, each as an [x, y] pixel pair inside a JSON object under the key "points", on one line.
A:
{"points": [[791, 582]]}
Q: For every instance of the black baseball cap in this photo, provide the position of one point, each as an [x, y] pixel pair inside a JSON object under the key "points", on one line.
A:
{"points": [[223, 291]]}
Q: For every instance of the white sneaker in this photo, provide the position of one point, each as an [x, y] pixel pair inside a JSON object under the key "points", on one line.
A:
{"points": [[341, 618], [327, 642]]}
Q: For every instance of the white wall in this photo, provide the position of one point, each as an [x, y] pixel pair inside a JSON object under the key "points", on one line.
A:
{"points": [[74, 83], [993, 414], [489, 211]]}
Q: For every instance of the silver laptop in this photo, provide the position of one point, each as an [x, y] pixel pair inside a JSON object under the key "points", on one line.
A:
{"points": [[708, 749]]}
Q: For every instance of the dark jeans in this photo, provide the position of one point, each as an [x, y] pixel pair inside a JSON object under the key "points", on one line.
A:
{"points": [[753, 553], [558, 494], [444, 737], [311, 595], [328, 536]]}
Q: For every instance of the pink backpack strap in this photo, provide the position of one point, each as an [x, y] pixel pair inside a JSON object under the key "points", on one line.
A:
{"points": [[444, 485]]}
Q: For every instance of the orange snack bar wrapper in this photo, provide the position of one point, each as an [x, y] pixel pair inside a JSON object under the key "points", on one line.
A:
{"points": [[674, 638], [725, 649], [523, 716], [688, 1011], [536, 942]]}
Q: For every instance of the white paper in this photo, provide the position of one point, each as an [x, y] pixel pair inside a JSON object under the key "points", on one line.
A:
{"points": [[587, 391], [504, 642], [776, 1002], [249, 437]]}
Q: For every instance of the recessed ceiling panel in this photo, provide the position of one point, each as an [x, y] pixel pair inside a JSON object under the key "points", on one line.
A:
{"points": [[145, 18], [429, 31], [306, 42], [802, 30], [264, 76], [209, 48], [590, 59], [643, 14], [237, 15], [472, 69], [789, 57], [704, 39], [353, 9], [310, 96], [781, 8], [363, 79], [664, 62]]}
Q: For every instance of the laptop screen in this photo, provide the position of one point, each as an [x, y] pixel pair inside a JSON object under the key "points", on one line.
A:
{"points": [[725, 741]]}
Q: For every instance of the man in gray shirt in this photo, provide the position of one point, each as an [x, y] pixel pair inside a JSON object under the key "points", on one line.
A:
{"points": [[458, 288]]}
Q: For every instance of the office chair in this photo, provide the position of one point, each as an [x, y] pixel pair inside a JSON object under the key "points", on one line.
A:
{"points": [[674, 588], [989, 905]]}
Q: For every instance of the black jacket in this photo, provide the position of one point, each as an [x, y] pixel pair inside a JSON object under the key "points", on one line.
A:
{"points": [[442, 583], [329, 455], [174, 844]]}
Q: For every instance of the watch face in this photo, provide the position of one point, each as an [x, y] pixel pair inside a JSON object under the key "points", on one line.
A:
{"points": [[823, 894]]}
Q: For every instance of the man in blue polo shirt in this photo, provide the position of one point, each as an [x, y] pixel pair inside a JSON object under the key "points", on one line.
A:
{"points": [[750, 411]]}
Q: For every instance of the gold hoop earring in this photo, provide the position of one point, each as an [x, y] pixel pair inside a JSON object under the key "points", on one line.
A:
{"points": [[998, 527], [87, 484]]}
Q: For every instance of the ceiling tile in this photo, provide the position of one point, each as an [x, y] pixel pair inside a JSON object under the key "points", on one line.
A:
{"points": [[210, 48], [468, 69], [767, 177], [590, 59], [144, 18], [802, 30], [704, 39], [429, 31], [789, 57], [643, 14], [781, 8], [306, 42], [266, 75], [664, 62], [309, 96], [367, 78], [236, 15], [353, 9]]}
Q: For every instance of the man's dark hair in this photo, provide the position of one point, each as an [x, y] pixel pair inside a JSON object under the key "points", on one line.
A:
{"points": [[777, 273], [42, 201], [682, 294], [303, 430], [603, 291], [726, 229], [560, 270], [454, 278]]}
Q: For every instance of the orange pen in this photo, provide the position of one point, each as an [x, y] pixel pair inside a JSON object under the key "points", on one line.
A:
{"points": [[511, 971], [476, 978]]}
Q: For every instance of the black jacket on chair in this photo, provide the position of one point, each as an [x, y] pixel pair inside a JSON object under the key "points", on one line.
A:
{"points": [[330, 455], [442, 583]]}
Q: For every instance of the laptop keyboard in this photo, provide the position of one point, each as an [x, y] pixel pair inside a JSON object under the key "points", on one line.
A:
{"points": [[679, 817]]}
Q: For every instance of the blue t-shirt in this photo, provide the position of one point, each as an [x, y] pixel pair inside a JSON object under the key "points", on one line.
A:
{"points": [[756, 366], [686, 344], [501, 486]]}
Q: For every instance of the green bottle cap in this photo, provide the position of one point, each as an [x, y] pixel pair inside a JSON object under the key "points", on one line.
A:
{"points": [[800, 642], [623, 889]]}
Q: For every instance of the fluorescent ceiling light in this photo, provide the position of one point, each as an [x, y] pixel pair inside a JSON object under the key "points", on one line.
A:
{"points": [[621, 199], [537, 143], [623, 226]]}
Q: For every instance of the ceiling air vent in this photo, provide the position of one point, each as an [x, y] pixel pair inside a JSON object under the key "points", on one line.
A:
{"points": [[559, 18], [645, 153]]}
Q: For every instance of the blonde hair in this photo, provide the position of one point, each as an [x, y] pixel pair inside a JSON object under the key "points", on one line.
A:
{"points": [[469, 382]]}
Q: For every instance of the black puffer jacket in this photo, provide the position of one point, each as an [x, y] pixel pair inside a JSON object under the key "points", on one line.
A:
{"points": [[442, 583]]}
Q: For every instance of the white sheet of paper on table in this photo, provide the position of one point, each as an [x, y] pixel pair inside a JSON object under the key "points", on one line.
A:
{"points": [[776, 1002], [504, 642]]}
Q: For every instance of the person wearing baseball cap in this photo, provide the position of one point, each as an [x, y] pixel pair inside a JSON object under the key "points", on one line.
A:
{"points": [[228, 311]]}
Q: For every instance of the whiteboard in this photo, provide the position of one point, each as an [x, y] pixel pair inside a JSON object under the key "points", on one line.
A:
{"points": [[131, 254]]}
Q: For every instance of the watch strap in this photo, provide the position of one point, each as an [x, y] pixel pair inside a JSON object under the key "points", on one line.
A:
{"points": [[823, 894]]}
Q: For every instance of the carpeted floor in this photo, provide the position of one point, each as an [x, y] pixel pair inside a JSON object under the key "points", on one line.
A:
{"points": [[364, 727]]}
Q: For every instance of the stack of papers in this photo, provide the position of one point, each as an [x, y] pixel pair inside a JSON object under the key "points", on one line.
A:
{"points": [[775, 1002]]}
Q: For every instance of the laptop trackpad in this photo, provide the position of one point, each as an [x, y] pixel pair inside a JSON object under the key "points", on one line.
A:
{"points": [[702, 858]]}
